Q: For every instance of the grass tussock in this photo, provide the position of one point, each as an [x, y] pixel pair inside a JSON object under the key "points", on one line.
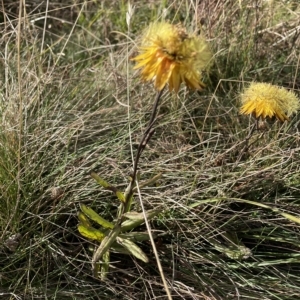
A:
{"points": [[71, 103]]}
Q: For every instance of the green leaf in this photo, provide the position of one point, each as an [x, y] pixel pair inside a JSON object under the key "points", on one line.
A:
{"points": [[108, 186], [116, 248], [104, 246], [128, 202], [97, 270], [90, 232], [95, 217], [104, 265], [100, 181], [133, 248], [84, 220], [120, 196], [133, 215], [136, 236], [138, 219]]}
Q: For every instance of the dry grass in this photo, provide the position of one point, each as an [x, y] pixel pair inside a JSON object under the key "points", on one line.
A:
{"points": [[74, 86]]}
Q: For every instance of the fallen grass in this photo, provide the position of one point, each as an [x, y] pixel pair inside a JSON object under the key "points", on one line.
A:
{"points": [[75, 120]]}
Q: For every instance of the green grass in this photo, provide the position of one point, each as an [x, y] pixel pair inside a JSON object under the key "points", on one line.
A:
{"points": [[68, 116]]}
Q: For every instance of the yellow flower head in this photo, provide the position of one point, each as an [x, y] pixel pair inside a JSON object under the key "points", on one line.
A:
{"points": [[267, 100], [169, 55]]}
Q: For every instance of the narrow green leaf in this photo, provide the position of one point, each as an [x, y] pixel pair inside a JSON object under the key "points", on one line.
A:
{"points": [[133, 248], [138, 219], [128, 202], [116, 248], [131, 224], [133, 215], [90, 232], [97, 270], [84, 220], [108, 186], [104, 265], [136, 236], [132, 236], [120, 196], [95, 217], [100, 181], [105, 245]]}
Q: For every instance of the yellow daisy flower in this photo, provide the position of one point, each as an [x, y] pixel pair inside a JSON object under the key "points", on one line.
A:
{"points": [[267, 100], [169, 55]]}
